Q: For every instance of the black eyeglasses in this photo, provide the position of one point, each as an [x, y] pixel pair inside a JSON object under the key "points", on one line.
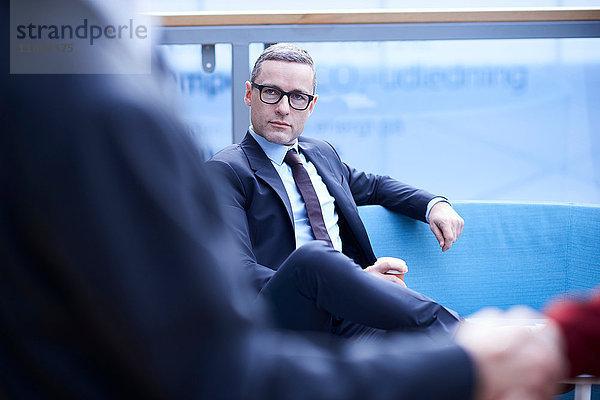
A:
{"points": [[272, 95]]}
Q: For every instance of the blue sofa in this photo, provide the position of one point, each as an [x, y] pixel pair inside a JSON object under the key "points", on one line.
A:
{"points": [[508, 254]]}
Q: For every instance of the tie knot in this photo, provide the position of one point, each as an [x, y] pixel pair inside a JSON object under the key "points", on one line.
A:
{"points": [[292, 158]]}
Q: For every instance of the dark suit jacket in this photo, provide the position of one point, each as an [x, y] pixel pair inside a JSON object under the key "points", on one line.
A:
{"points": [[258, 210]]}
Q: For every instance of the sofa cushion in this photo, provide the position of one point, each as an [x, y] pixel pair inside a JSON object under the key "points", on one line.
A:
{"points": [[509, 253]]}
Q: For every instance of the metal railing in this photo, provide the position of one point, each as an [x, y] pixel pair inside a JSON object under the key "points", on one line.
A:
{"points": [[242, 29]]}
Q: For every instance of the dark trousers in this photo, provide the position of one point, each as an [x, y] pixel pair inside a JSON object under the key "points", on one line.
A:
{"points": [[320, 289]]}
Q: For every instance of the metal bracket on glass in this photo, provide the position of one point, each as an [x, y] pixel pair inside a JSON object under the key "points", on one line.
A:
{"points": [[208, 57]]}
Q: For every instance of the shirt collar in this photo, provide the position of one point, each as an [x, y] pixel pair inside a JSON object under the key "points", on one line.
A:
{"points": [[276, 152]]}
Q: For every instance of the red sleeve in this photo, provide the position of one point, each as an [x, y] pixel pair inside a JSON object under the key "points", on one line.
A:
{"points": [[580, 325]]}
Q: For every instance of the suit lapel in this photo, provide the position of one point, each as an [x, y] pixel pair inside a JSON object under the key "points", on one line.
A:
{"points": [[325, 170], [341, 193], [264, 170]]}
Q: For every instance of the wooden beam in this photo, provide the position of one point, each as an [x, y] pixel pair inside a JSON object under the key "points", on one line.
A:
{"points": [[229, 18]]}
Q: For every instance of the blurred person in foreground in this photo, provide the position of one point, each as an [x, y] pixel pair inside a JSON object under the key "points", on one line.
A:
{"points": [[117, 278]]}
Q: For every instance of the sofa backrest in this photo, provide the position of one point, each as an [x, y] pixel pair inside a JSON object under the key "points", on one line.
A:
{"points": [[509, 253]]}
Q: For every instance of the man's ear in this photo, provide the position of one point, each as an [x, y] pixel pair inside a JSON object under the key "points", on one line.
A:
{"points": [[312, 105], [248, 94]]}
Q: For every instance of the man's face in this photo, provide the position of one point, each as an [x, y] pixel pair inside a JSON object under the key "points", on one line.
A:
{"points": [[279, 123]]}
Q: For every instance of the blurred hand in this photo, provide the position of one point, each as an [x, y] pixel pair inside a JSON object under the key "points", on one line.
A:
{"points": [[389, 268], [446, 224], [513, 361]]}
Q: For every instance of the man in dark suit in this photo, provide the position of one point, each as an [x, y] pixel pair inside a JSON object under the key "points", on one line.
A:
{"points": [[267, 211], [117, 279]]}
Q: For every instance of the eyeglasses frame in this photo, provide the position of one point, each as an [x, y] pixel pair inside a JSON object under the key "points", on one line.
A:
{"points": [[283, 93]]}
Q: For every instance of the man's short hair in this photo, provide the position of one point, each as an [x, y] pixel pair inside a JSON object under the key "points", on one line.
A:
{"points": [[285, 52]]}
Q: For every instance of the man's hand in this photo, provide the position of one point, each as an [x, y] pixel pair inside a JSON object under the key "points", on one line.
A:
{"points": [[446, 224], [512, 360], [389, 268]]}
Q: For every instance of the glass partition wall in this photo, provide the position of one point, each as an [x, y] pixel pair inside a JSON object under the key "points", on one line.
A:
{"points": [[476, 111]]}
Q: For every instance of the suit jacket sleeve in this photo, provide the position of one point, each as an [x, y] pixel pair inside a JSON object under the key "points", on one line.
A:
{"points": [[231, 198], [371, 189], [579, 322]]}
